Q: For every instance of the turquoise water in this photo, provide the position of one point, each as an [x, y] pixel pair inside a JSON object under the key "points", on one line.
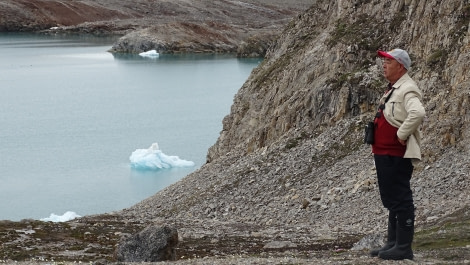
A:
{"points": [[72, 114]]}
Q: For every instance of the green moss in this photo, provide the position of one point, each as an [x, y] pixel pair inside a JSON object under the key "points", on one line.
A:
{"points": [[449, 238], [62, 237], [292, 143], [338, 82], [377, 85], [437, 59], [302, 40], [265, 75], [359, 32], [395, 24], [353, 79], [339, 33]]}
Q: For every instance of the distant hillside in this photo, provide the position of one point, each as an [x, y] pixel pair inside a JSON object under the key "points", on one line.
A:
{"points": [[168, 26], [112, 15]]}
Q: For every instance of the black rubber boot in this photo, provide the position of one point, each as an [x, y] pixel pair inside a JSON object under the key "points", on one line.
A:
{"points": [[391, 235], [405, 231]]}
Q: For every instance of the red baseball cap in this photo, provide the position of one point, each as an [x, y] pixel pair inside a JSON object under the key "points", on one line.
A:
{"points": [[397, 54]]}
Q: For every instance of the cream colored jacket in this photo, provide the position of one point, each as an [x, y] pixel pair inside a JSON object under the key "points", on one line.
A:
{"points": [[405, 111]]}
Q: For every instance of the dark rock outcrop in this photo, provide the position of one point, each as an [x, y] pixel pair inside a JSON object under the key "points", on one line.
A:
{"points": [[154, 243]]}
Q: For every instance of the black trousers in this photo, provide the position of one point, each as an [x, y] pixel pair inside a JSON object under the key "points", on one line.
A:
{"points": [[394, 175]]}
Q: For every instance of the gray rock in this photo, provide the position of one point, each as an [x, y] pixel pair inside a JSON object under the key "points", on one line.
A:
{"points": [[279, 245], [154, 243], [369, 242]]}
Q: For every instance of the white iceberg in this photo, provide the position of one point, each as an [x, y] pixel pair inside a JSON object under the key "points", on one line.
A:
{"points": [[151, 54], [153, 159], [61, 218]]}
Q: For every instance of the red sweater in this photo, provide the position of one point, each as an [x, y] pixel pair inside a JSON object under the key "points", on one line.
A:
{"points": [[386, 139]]}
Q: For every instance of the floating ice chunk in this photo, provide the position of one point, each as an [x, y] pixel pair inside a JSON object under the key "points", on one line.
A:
{"points": [[151, 53], [61, 218], [153, 159]]}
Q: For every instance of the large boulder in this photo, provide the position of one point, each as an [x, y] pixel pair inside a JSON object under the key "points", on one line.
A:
{"points": [[154, 243]]}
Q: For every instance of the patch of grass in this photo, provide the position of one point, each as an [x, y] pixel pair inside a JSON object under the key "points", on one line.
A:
{"points": [[337, 83], [266, 75], [19, 240], [377, 85], [437, 59], [365, 32], [448, 237], [395, 24], [341, 79], [291, 143]]}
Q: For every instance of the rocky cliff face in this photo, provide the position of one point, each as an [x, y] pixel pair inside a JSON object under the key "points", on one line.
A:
{"points": [[290, 153], [324, 68]]}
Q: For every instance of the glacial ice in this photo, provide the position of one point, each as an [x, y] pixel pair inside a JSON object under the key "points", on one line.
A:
{"points": [[154, 159], [61, 218], [151, 54]]}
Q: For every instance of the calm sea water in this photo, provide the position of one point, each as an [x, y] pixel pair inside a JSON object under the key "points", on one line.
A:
{"points": [[72, 114]]}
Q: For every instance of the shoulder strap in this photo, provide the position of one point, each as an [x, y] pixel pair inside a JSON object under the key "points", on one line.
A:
{"points": [[382, 106], [389, 95]]}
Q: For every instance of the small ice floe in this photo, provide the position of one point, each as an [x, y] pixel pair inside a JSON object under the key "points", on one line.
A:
{"points": [[150, 54], [61, 218], [154, 159]]}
